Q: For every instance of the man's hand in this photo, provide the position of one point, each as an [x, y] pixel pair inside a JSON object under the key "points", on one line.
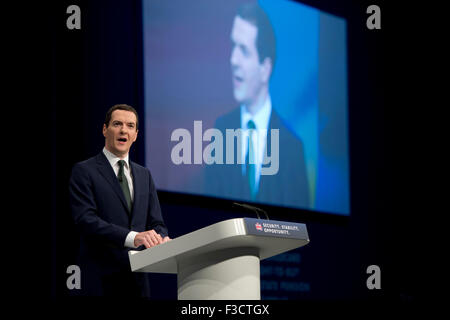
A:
{"points": [[149, 239]]}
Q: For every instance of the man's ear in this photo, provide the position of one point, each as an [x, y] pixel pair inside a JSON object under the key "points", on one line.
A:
{"points": [[135, 137], [266, 69], [104, 130]]}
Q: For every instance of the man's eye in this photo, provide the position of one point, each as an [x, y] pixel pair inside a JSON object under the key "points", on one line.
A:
{"points": [[244, 51], [116, 124]]}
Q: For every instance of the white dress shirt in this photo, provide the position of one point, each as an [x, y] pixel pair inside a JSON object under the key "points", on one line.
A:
{"points": [[261, 120], [114, 162]]}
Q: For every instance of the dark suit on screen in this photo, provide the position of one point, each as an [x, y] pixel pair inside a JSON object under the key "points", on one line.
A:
{"points": [[101, 214], [289, 187]]}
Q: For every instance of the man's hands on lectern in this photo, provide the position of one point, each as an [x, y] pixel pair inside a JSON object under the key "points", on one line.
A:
{"points": [[149, 239]]}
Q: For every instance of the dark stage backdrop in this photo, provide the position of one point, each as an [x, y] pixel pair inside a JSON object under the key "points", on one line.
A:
{"points": [[101, 65]]}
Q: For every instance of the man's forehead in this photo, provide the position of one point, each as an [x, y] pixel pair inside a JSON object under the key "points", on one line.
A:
{"points": [[243, 31], [123, 115]]}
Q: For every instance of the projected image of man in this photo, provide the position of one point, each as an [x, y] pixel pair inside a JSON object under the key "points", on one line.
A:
{"points": [[252, 61]]}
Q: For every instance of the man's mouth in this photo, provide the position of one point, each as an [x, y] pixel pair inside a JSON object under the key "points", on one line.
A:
{"points": [[122, 140], [237, 80]]}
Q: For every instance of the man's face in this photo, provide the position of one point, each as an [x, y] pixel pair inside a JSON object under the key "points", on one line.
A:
{"points": [[248, 74], [121, 132]]}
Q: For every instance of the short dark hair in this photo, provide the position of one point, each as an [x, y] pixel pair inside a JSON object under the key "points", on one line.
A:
{"points": [[265, 39], [120, 107]]}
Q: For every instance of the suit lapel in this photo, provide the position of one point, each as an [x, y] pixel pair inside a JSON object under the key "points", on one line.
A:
{"points": [[244, 188], [264, 181], [137, 182], [108, 173], [274, 123]]}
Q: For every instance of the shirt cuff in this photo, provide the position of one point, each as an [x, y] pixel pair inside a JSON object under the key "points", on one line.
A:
{"points": [[129, 240]]}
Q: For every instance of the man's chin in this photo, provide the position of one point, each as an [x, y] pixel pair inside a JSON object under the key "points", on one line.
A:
{"points": [[239, 96], [120, 151]]}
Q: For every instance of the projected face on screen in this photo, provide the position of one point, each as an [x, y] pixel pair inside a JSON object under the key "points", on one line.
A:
{"points": [[250, 77], [231, 101]]}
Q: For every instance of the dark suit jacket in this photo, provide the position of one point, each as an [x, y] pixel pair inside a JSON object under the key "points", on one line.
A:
{"points": [[289, 187], [100, 212]]}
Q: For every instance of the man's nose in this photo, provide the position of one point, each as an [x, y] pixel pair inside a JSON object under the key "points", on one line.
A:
{"points": [[234, 59]]}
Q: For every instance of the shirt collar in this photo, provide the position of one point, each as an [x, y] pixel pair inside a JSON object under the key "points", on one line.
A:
{"points": [[261, 118], [113, 159]]}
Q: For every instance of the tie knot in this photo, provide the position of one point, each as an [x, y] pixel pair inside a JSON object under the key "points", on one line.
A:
{"points": [[251, 124], [121, 163]]}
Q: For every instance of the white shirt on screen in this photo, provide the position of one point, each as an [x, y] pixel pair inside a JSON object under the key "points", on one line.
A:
{"points": [[261, 120]]}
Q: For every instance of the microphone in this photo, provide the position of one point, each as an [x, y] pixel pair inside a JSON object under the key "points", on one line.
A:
{"points": [[256, 210]]}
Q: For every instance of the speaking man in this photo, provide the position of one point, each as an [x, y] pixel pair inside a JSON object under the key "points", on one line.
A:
{"points": [[115, 207]]}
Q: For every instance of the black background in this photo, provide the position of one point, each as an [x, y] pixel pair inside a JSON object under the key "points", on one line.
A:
{"points": [[67, 80]]}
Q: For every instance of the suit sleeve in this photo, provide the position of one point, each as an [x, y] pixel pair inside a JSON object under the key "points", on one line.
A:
{"points": [[85, 212], [302, 196], [154, 216]]}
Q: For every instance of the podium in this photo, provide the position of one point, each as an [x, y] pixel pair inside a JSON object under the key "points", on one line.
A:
{"points": [[221, 261]]}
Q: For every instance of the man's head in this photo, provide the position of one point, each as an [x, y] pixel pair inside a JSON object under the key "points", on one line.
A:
{"points": [[253, 54], [120, 129]]}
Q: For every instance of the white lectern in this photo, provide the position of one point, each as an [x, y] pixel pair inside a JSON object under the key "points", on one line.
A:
{"points": [[221, 261]]}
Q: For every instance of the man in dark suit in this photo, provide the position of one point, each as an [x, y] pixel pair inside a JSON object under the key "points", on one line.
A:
{"points": [[252, 60], [115, 207]]}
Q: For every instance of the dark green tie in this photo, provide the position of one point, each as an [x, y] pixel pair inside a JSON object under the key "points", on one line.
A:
{"points": [[124, 183], [251, 160]]}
